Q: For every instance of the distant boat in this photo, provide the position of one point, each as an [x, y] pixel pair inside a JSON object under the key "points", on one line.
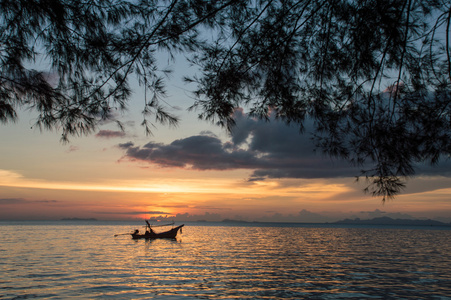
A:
{"points": [[151, 234]]}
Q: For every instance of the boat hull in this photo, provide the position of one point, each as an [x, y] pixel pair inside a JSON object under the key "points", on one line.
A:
{"points": [[170, 234]]}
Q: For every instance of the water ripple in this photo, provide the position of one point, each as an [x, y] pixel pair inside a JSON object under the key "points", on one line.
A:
{"points": [[215, 262]]}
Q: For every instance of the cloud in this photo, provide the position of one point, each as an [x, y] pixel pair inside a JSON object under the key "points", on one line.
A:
{"points": [[108, 134], [443, 168], [20, 201], [72, 149], [126, 145], [46, 201], [143, 212], [209, 207], [9, 201], [196, 152], [269, 149]]}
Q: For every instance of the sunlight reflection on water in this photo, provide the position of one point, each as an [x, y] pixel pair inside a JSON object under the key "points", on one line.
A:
{"points": [[224, 262]]}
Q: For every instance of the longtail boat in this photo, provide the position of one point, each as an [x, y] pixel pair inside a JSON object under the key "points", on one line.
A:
{"points": [[151, 234]]}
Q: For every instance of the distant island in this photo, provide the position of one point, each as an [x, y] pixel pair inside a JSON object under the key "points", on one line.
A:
{"points": [[234, 221], [390, 221], [78, 219], [357, 221]]}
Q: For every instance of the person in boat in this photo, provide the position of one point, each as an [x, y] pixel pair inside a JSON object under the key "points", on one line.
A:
{"points": [[136, 231], [149, 230]]}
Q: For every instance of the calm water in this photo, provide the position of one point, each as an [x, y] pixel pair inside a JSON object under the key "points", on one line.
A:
{"points": [[67, 260]]}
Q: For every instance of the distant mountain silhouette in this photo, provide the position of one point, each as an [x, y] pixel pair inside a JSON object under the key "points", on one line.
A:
{"points": [[233, 221], [390, 221], [78, 219]]}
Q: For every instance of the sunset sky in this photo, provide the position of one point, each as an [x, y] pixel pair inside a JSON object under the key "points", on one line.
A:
{"points": [[262, 171]]}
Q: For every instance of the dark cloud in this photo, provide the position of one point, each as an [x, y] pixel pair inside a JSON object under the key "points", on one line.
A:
{"points": [[126, 145], [12, 201], [9, 201], [47, 201], [196, 152], [108, 134], [443, 168], [143, 212], [271, 149]]}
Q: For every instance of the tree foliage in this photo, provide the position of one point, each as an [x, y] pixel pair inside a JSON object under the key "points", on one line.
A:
{"points": [[92, 49], [375, 75]]}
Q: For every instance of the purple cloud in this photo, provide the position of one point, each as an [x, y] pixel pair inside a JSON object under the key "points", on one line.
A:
{"points": [[196, 152], [20, 201], [12, 201], [133, 212], [72, 148], [271, 149], [108, 134]]}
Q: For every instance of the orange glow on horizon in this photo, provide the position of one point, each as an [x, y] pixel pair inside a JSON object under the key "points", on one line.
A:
{"points": [[228, 197], [199, 186]]}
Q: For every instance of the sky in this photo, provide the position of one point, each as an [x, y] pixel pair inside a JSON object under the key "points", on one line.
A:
{"points": [[262, 171]]}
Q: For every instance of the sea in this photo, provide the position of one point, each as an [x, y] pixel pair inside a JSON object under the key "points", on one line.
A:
{"points": [[99, 260]]}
